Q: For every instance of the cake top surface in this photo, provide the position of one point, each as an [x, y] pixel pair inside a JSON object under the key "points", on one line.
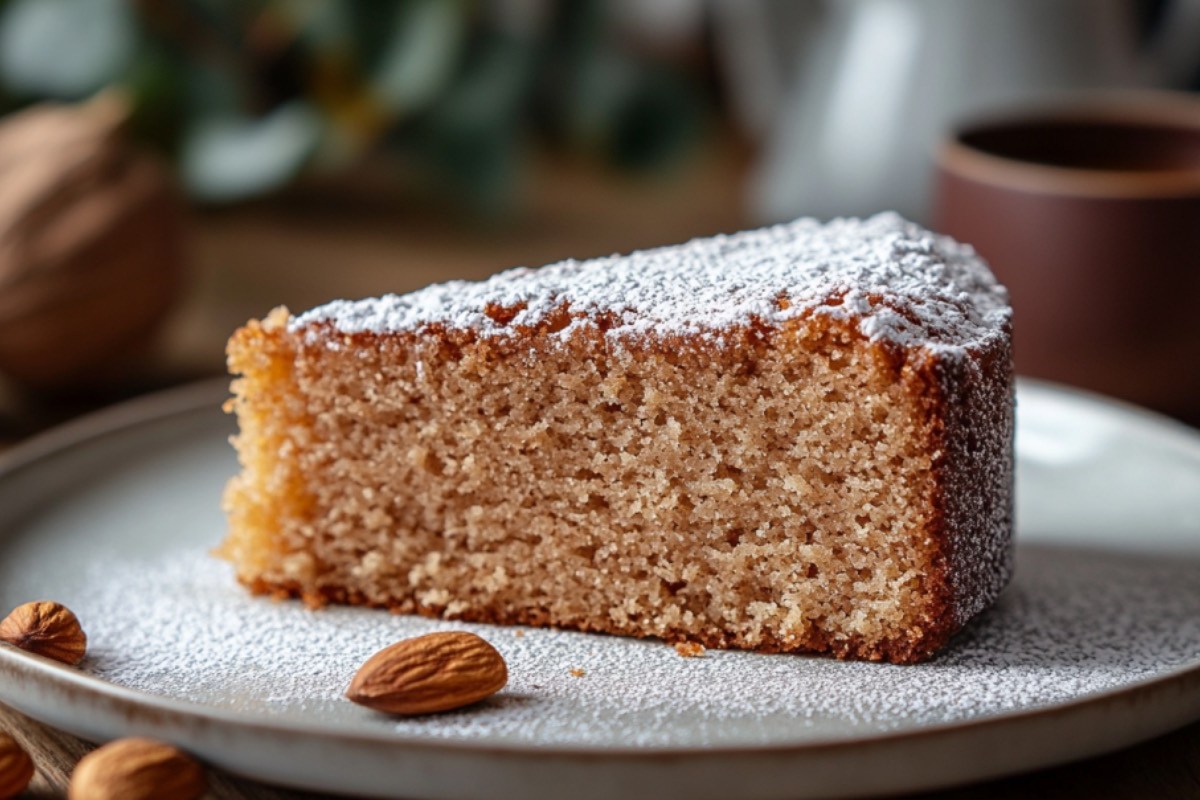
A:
{"points": [[902, 283]]}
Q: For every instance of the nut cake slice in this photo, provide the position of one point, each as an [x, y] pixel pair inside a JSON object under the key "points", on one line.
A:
{"points": [[791, 439]]}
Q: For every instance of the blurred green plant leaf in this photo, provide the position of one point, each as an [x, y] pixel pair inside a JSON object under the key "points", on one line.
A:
{"points": [[658, 120], [597, 90], [326, 25], [230, 158], [64, 49], [474, 132], [213, 92], [156, 84], [370, 25], [421, 55]]}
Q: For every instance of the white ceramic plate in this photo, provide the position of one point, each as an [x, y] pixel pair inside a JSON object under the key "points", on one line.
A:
{"points": [[1095, 646]]}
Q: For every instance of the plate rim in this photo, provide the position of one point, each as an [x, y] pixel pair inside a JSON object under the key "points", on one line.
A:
{"points": [[205, 396]]}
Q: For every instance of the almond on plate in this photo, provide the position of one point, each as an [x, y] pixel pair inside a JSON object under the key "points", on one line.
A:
{"points": [[431, 673]]}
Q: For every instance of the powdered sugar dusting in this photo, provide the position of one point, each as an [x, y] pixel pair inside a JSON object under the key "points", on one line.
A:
{"points": [[901, 283], [1072, 624]]}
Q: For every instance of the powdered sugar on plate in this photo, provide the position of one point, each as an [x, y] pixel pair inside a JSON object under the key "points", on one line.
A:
{"points": [[1074, 623], [900, 282]]}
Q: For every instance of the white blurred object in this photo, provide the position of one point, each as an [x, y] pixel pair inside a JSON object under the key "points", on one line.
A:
{"points": [[760, 45], [851, 97], [667, 26]]}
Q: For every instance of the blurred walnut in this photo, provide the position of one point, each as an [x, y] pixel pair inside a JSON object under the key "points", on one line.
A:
{"points": [[90, 245]]}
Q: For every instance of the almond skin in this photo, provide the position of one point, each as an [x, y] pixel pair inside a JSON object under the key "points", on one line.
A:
{"points": [[137, 769], [431, 673], [47, 629], [16, 768]]}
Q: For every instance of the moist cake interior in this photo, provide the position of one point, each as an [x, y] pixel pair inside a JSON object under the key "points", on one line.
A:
{"points": [[770, 493], [797, 438]]}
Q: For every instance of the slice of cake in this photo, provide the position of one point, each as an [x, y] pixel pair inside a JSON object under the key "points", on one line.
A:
{"points": [[791, 439]]}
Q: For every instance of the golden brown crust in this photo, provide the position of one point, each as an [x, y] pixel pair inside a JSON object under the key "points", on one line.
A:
{"points": [[972, 403], [895, 651]]}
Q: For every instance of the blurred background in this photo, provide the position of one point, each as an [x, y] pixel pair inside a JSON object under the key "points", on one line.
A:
{"points": [[171, 168]]}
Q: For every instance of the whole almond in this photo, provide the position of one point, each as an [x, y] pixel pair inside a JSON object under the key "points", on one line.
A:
{"points": [[137, 769], [47, 629], [435, 672], [16, 768]]}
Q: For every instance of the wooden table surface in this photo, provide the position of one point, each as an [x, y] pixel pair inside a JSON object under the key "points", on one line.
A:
{"points": [[307, 249]]}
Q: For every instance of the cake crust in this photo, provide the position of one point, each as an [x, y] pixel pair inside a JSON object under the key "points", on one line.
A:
{"points": [[937, 382]]}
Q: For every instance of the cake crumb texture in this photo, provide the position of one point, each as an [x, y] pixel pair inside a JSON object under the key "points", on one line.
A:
{"points": [[690, 649], [797, 482]]}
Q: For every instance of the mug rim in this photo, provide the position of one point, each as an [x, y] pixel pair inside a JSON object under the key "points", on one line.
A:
{"points": [[1145, 108]]}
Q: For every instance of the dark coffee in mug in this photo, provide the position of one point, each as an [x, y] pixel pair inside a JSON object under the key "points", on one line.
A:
{"points": [[1090, 214]]}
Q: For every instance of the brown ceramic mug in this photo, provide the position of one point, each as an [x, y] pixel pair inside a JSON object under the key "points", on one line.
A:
{"points": [[1090, 214]]}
